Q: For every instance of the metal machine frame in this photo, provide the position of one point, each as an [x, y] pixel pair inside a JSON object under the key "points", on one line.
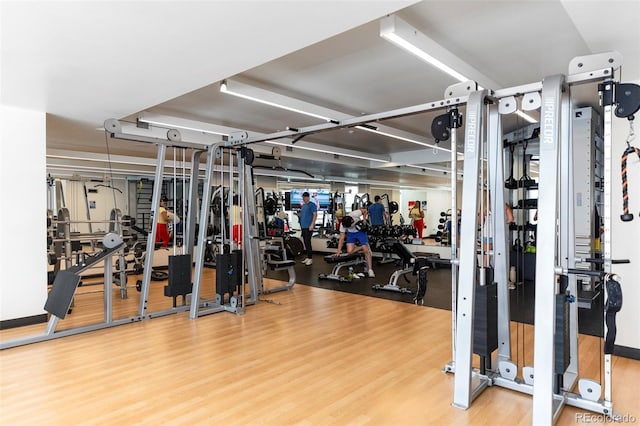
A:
{"points": [[67, 281], [556, 258]]}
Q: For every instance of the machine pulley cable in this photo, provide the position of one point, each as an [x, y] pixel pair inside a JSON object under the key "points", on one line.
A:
{"points": [[111, 183]]}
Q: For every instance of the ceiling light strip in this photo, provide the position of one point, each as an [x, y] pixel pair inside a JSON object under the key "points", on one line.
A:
{"points": [[324, 151], [390, 135], [225, 88], [526, 116], [403, 35], [181, 123], [400, 42], [442, 170]]}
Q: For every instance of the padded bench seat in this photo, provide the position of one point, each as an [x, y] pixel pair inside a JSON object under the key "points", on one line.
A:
{"points": [[433, 259], [278, 265], [343, 257]]}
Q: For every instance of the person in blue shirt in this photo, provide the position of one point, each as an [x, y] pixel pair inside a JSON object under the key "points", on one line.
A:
{"points": [[377, 213], [307, 215]]}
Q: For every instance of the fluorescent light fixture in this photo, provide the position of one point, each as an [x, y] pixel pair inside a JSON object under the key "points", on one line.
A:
{"points": [[442, 170], [403, 35], [391, 135], [400, 42], [526, 116], [181, 123], [286, 174], [104, 159], [224, 88], [324, 151]]}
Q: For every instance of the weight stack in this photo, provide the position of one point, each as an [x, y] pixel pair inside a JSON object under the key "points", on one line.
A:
{"points": [[485, 331], [179, 276], [561, 336], [228, 272]]}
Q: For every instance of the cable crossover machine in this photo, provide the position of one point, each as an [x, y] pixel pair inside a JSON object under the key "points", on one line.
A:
{"points": [[481, 317]]}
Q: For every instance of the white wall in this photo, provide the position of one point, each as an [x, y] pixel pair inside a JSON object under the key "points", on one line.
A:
{"points": [[23, 191], [626, 235]]}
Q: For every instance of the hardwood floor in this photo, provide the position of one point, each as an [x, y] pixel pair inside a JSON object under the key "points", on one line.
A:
{"points": [[312, 357]]}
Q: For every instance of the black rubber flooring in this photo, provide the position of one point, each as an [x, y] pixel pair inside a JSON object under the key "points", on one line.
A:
{"points": [[438, 293]]}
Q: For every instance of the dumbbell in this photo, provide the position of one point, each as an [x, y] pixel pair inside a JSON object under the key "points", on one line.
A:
{"points": [[362, 226]]}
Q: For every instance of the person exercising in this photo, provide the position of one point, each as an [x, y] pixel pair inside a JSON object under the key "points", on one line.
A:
{"points": [[350, 234]]}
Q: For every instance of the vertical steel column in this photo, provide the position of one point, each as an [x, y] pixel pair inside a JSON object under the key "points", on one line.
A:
{"points": [[454, 228], [500, 247], [544, 314], [151, 238], [231, 192], [462, 392], [243, 198], [606, 244], [251, 244], [108, 283], [567, 237], [202, 233], [190, 227]]}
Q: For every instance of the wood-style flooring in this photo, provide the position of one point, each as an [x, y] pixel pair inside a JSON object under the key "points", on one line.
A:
{"points": [[309, 356]]}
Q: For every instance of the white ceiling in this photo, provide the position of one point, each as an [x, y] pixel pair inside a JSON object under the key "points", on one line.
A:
{"points": [[84, 62]]}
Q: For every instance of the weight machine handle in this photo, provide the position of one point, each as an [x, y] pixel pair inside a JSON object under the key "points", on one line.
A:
{"points": [[601, 261], [626, 216]]}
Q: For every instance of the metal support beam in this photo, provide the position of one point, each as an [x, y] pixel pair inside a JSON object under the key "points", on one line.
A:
{"points": [[499, 226], [354, 121], [202, 233], [567, 238], [463, 392], [151, 238], [454, 114], [546, 286]]}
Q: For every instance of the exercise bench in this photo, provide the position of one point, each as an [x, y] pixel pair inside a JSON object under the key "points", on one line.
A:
{"points": [[408, 260], [344, 260]]}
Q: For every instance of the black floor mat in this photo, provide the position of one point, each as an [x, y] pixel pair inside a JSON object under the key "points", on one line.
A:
{"points": [[438, 293]]}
